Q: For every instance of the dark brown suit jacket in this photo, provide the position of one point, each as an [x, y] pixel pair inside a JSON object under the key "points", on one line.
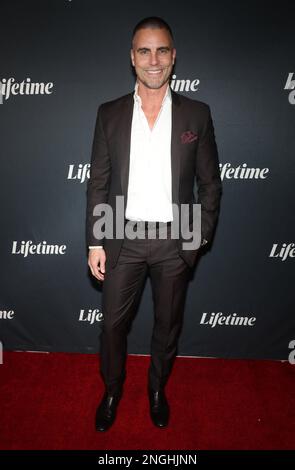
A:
{"points": [[194, 157]]}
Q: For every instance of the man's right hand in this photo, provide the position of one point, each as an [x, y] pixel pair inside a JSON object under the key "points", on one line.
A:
{"points": [[96, 262]]}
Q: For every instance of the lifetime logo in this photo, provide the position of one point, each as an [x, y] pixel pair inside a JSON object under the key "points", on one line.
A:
{"points": [[282, 252], [219, 319], [93, 315], [242, 172], [9, 87], [79, 173], [6, 314], [290, 85], [184, 84], [26, 248]]}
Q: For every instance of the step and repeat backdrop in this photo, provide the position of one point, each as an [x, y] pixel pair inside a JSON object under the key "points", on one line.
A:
{"points": [[59, 61]]}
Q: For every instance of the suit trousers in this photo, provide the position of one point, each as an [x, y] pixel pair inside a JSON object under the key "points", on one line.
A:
{"points": [[122, 288]]}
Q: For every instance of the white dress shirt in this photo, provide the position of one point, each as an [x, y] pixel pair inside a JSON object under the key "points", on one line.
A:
{"points": [[149, 196]]}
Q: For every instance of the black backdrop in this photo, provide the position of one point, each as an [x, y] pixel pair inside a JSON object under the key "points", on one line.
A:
{"points": [[237, 57]]}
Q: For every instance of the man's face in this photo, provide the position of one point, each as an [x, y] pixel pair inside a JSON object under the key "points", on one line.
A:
{"points": [[153, 56]]}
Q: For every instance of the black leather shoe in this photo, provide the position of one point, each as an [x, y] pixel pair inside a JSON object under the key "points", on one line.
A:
{"points": [[106, 411], [159, 408]]}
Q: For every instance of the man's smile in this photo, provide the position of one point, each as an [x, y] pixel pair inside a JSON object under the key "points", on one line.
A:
{"points": [[154, 72]]}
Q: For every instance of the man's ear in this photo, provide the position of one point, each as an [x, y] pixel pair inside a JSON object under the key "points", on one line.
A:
{"points": [[131, 57], [174, 53]]}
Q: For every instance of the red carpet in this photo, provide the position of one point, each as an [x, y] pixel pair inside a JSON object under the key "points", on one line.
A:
{"points": [[48, 401]]}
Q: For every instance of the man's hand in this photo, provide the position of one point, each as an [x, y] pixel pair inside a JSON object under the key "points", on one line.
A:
{"points": [[96, 262]]}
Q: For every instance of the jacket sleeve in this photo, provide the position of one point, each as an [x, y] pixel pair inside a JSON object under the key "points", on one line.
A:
{"points": [[208, 178], [99, 181]]}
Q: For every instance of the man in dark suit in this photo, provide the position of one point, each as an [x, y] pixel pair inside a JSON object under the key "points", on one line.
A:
{"points": [[149, 147]]}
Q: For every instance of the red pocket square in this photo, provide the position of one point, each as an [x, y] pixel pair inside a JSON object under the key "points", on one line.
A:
{"points": [[188, 136]]}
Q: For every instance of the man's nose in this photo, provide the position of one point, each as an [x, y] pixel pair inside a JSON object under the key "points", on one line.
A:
{"points": [[154, 59]]}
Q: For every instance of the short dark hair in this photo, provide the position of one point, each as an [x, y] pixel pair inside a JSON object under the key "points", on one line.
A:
{"points": [[153, 22]]}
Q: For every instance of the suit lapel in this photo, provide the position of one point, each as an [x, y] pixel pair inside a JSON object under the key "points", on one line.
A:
{"points": [[125, 141], [175, 145]]}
